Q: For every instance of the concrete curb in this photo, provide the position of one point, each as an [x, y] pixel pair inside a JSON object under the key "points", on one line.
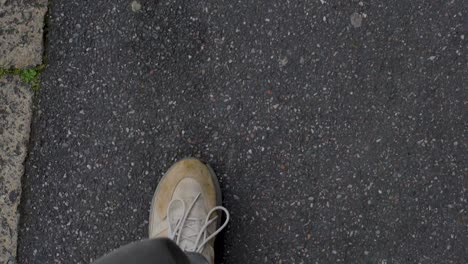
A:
{"points": [[15, 120], [21, 38], [21, 46]]}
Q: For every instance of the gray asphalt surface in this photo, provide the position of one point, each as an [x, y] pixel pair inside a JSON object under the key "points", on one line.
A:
{"points": [[337, 128]]}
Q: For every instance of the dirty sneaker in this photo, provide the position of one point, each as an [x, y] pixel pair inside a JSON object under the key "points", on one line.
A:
{"points": [[186, 207]]}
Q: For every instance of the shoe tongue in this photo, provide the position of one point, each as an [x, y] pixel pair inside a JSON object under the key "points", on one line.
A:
{"points": [[193, 224]]}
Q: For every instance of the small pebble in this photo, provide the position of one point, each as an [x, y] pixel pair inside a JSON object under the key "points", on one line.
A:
{"points": [[136, 6], [356, 20]]}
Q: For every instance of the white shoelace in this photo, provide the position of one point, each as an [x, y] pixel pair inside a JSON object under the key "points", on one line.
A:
{"points": [[188, 224]]}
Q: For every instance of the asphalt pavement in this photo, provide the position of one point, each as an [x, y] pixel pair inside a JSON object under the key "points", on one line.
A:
{"points": [[337, 128]]}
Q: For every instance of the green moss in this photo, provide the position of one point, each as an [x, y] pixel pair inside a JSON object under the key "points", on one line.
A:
{"points": [[30, 76]]}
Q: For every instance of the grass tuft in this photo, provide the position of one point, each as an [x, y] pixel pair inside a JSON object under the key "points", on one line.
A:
{"points": [[29, 76]]}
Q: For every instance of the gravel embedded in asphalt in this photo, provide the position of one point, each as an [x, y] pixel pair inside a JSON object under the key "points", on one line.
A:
{"points": [[337, 129]]}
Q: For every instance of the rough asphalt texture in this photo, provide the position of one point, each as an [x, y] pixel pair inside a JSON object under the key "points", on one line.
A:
{"points": [[337, 128]]}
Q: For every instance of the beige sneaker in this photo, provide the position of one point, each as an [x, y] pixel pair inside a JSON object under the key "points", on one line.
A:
{"points": [[185, 208]]}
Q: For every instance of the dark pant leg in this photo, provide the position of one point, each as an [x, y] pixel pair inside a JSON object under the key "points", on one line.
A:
{"points": [[151, 251]]}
